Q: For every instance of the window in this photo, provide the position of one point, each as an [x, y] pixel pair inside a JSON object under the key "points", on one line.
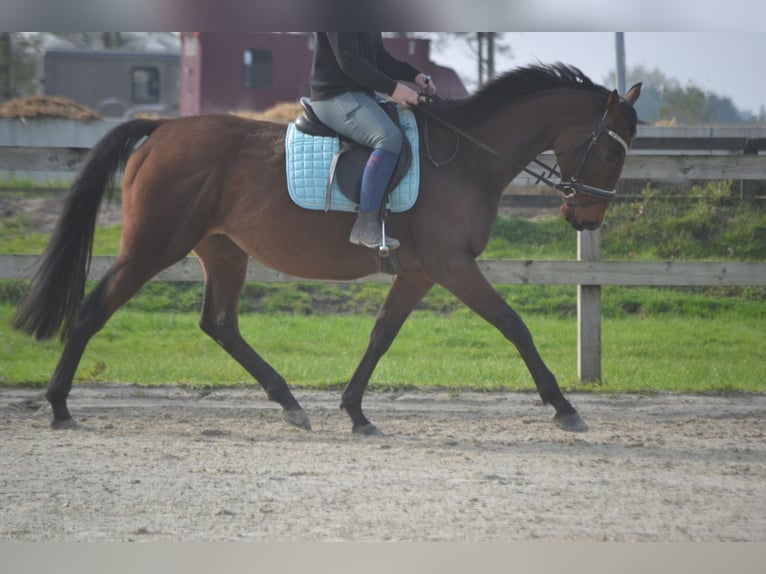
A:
{"points": [[257, 69], [145, 85]]}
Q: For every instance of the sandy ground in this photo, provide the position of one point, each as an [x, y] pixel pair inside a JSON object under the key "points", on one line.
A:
{"points": [[176, 464]]}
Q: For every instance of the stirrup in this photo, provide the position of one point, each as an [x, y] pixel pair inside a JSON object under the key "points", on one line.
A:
{"points": [[383, 250]]}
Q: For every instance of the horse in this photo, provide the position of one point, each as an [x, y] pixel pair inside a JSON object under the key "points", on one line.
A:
{"points": [[215, 185]]}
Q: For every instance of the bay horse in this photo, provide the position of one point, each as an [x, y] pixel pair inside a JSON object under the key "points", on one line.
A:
{"points": [[215, 185]]}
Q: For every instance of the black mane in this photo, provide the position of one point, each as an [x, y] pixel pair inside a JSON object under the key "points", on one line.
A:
{"points": [[513, 84]]}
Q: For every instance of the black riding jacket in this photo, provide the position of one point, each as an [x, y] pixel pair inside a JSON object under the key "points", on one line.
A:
{"points": [[355, 61]]}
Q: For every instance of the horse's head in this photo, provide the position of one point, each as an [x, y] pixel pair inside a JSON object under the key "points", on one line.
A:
{"points": [[591, 161]]}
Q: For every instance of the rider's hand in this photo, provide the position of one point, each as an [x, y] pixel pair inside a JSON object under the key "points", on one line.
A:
{"points": [[426, 84], [405, 95]]}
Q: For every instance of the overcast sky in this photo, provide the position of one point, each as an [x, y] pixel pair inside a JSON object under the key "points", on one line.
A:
{"points": [[726, 63]]}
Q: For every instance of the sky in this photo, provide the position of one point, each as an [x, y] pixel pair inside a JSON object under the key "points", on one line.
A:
{"points": [[726, 63]]}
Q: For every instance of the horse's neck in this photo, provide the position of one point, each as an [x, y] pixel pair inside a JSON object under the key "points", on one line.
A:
{"points": [[526, 128]]}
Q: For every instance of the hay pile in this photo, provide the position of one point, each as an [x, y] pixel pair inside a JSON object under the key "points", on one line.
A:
{"points": [[283, 112], [46, 107], [60, 107]]}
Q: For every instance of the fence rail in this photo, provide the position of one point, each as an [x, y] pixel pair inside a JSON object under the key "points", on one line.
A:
{"points": [[26, 158], [498, 271], [659, 154]]}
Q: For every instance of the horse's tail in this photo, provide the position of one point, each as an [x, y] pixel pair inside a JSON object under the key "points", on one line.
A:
{"points": [[58, 285]]}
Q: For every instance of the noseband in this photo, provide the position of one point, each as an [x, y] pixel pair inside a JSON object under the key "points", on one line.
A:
{"points": [[567, 188]]}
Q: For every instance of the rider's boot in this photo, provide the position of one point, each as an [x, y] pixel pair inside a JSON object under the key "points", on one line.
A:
{"points": [[368, 230]]}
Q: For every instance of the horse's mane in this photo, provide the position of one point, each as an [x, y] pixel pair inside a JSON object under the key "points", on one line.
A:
{"points": [[512, 84]]}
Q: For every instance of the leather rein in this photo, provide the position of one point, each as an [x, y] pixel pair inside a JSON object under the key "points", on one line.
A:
{"points": [[567, 188]]}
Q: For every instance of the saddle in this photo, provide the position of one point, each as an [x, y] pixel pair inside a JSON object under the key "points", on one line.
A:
{"points": [[348, 164]]}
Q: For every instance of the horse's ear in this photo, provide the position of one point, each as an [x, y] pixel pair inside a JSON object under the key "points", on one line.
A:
{"points": [[633, 93], [613, 104]]}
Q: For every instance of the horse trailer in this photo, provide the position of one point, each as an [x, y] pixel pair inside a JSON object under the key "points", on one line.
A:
{"points": [[114, 84]]}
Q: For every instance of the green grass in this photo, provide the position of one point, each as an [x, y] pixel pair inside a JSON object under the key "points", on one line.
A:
{"points": [[708, 225], [33, 186], [460, 351], [516, 238], [16, 237]]}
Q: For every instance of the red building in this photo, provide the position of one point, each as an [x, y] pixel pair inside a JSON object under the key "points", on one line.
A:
{"points": [[254, 71]]}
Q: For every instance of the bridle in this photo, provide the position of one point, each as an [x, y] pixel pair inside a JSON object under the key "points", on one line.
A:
{"points": [[568, 188]]}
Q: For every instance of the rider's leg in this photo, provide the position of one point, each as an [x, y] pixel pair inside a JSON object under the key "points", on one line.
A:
{"points": [[360, 118]]}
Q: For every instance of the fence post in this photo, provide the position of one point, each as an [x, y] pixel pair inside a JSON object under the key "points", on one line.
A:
{"points": [[589, 312]]}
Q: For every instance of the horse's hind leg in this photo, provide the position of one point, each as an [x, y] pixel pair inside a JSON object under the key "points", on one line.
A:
{"points": [[225, 267], [405, 293], [90, 319], [120, 283]]}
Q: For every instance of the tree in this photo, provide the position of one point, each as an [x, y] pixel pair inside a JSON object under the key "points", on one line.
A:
{"points": [[664, 99], [485, 46], [6, 81], [687, 105], [725, 111], [19, 54]]}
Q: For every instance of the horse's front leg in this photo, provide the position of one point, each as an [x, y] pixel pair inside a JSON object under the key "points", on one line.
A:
{"points": [[405, 293], [468, 284]]}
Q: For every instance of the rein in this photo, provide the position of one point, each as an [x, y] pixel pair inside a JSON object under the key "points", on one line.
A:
{"points": [[568, 188]]}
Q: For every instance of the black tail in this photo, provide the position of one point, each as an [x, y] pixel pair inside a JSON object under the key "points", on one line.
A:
{"points": [[58, 286]]}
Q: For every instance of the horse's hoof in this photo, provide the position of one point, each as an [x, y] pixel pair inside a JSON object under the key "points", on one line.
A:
{"points": [[297, 418], [572, 422], [64, 424], [368, 429]]}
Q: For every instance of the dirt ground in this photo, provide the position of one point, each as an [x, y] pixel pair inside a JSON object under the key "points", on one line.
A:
{"points": [[41, 213], [178, 464]]}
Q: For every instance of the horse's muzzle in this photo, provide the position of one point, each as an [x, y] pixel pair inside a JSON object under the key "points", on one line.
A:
{"points": [[585, 225]]}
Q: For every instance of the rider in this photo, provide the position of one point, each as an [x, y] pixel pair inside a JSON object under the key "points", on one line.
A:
{"points": [[348, 68]]}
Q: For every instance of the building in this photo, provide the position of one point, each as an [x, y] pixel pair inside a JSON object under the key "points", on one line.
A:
{"points": [[253, 71]]}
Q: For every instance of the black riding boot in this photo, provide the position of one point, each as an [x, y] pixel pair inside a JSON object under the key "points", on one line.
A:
{"points": [[368, 231]]}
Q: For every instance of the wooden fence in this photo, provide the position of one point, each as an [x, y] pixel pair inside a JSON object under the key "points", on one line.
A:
{"points": [[658, 154]]}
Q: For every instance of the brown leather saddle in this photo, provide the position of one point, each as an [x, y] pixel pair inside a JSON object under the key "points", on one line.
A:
{"points": [[349, 163]]}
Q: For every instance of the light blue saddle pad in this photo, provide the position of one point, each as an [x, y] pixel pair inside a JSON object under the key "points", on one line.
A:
{"points": [[308, 170]]}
